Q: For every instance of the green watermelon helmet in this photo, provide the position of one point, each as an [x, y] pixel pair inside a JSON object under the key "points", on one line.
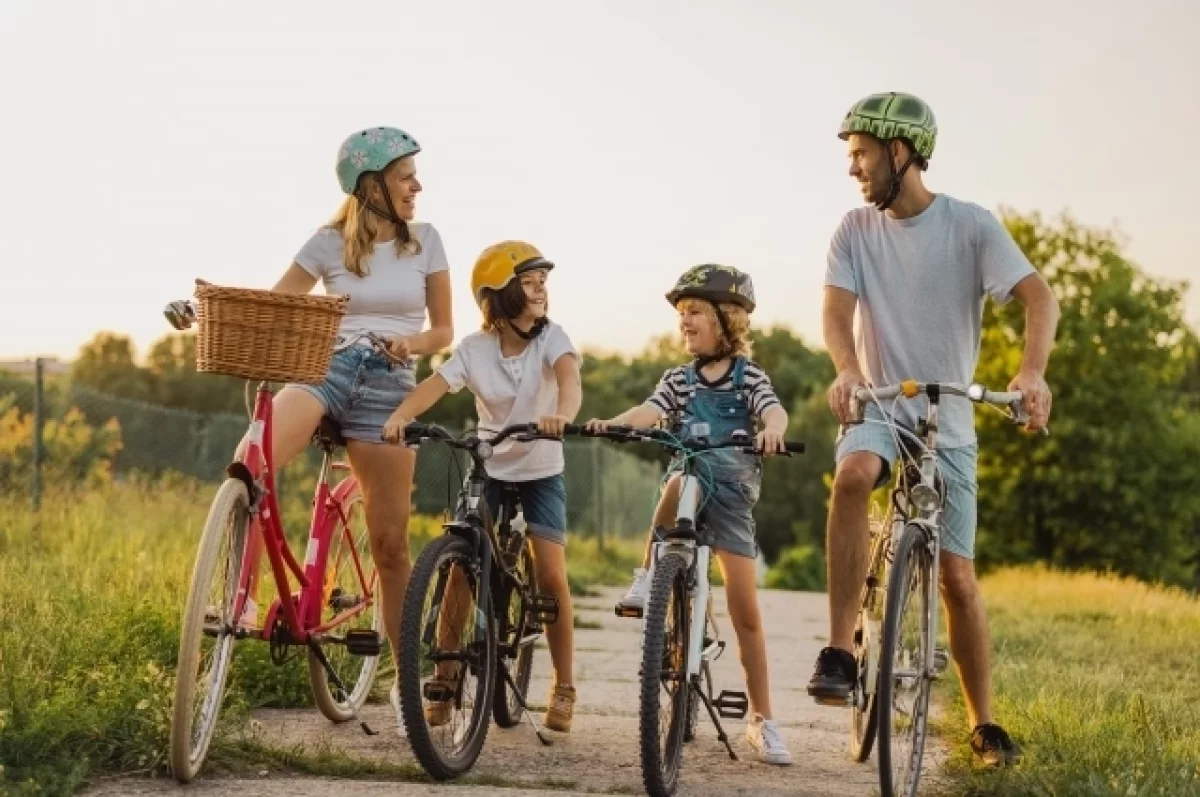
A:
{"points": [[371, 150], [894, 115], [890, 116]]}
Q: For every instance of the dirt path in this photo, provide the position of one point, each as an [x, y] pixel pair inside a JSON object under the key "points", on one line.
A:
{"points": [[601, 754]]}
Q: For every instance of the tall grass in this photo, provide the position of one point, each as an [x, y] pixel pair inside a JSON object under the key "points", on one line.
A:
{"points": [[1099, 678]]}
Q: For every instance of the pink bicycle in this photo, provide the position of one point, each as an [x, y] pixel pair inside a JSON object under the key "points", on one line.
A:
{"points": [[331, 610]]}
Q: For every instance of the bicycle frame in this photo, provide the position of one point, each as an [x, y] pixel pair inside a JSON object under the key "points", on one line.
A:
{"points": [[300, 614]]}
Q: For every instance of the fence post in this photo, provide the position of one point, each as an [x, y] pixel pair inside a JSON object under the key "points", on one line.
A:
{"points": [[39, 401], [598, 481]]}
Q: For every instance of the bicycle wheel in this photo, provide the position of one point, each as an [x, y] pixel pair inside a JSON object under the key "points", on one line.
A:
{"points": [[864, 719], [515, 623], [448, 656], [904, 685], [349, 555], [206, 632], [664, 671]]}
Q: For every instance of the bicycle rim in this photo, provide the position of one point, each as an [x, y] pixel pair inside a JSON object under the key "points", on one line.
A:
{"points": [[447, 659], [904, 685], [349, 553], [207, 630], [515, 623], [664, 676]]}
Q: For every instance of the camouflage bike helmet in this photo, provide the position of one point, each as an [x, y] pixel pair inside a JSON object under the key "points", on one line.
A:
{"points": [[367, 153], [890, 116], [715, 284]]}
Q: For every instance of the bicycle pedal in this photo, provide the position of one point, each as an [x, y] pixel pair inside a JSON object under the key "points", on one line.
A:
{"points": [[544, 609], [364, 642], [437, 691], [731, 705], [624, 610]]}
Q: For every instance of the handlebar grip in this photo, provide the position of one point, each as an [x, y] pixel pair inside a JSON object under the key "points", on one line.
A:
{"points": [[794, 448]]}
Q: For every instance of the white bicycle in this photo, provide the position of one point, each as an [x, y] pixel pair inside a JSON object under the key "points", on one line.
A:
{"points": [[680, 636], [897, 622]]}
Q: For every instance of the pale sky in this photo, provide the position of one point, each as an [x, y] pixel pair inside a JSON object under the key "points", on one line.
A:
{"points": [[144, 144]]}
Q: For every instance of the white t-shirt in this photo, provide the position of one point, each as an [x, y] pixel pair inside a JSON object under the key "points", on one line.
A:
{"points": [[512, 390], [390, 299]]}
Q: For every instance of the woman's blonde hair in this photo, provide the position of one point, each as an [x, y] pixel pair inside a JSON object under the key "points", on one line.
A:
{"points": [[738, 340], [358, 226]]}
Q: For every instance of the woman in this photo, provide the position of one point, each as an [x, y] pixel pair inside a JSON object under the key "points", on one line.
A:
{"points": [[395, 273]]}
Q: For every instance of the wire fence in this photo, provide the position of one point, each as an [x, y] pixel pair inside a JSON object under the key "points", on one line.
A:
{"points": [[609, 492]]}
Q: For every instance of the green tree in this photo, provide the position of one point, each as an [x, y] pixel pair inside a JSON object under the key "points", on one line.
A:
{"points": [[171, 372], [1114, 485], [106, 363]]}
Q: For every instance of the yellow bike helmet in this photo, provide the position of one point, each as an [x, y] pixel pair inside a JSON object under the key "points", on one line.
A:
{"points": [[500, 263]]}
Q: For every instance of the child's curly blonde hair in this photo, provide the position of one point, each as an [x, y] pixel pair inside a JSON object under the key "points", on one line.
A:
{"points": [[737, 342]]}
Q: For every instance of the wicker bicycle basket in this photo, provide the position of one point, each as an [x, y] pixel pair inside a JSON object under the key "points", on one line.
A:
{"points": [[266, 335]]}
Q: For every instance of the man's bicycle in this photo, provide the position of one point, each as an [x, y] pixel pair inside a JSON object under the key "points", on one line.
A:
{"points": [[332, 613], [894, 636], [472, 615], [680, 634]]}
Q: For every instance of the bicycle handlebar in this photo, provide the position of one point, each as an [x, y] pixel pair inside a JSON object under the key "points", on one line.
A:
{"points": [[630, 434], [1008, 399]]}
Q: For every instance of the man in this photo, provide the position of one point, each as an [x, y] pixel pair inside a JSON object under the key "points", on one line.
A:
{"points": [[917, 268]]}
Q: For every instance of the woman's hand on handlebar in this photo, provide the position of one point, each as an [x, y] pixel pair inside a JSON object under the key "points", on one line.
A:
{"points": [[399, 347]]}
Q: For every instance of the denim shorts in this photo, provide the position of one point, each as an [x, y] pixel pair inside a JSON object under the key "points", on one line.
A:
{"points": [[958, 471], [361, 391], [727, 504], [543, 505]]}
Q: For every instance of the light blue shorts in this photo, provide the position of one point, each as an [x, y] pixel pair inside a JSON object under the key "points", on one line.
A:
{"points": [[958, 471], [543, 504], [361, 391]]}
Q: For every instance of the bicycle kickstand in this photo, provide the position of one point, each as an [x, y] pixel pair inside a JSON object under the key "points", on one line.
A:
{"points": [[712, 713], [342, 694], [512, 684]]}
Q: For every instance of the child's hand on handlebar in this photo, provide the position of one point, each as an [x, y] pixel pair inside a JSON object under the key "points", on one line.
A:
{"points": [[597, 425], [393, 430], [553, 425], [770, 442]]}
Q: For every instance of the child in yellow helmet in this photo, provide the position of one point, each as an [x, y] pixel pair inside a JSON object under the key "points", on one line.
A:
{"points": [[521, 368]]}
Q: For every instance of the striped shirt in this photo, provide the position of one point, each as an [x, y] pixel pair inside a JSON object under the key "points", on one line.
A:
{"points": [[673, 391]]}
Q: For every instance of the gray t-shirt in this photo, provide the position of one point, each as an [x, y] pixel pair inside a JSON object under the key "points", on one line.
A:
{"points": [[920, 284]]}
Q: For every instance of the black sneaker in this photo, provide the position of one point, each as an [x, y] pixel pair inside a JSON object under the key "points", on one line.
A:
{"points": [[993, 746], [833, 677]]}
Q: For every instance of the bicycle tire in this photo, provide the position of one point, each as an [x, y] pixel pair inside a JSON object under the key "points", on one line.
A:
{"points": [[507, 710], [444, 551], [660, 767], [910, 556], [188, 744], [864, 720], [344, 710]]}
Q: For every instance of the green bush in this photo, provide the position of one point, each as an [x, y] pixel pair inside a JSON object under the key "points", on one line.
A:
{"points": [[798, 568]]}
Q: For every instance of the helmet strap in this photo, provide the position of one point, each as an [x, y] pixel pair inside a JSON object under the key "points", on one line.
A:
{"points": [[894, 177], [390, 214], [535, 329]]}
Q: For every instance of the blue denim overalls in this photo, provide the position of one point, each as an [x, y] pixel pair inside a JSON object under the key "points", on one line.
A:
{"points": [[732, 478]]}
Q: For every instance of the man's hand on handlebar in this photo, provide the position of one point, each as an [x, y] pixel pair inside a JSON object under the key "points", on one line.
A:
{"points": [[842, 391], [1035, 399]]}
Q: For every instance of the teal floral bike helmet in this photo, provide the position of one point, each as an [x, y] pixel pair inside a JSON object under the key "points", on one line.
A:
{"points": [[367, 153]]}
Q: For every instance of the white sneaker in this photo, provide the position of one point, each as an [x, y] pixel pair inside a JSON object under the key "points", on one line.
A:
{"points": [[636, 596], [764, 736], [394, 697]]}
